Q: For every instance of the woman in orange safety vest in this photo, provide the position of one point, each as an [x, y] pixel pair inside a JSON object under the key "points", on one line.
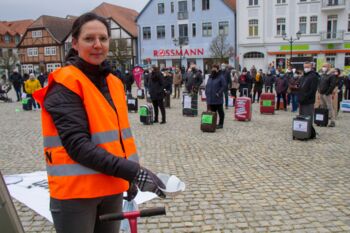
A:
{"points": [[90, 152]]}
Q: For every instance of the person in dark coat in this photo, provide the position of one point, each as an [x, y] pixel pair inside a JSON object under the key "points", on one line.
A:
{"points": [[42, 78], [337, 73], [347, 87], [146, 78], [17, 82], [243, 82], [226, 71], [214, 91], [269, 82], [258, 85], [129, 81], [194, 80], [307, 93], [157, 93], [281, 90]]}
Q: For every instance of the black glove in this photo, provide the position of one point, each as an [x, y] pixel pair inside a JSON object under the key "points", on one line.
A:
{"points": [[147, 181], [132, 192]]}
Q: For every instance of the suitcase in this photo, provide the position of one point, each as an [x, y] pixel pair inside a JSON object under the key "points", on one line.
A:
{"points": [[146, 114], [167, 100], [140, 93], [132, 103], [27, 104], [302, 127], [267, 103], [321, 117], [203, 96], [345, 106], [189, 105], [243, 107], [231, 101], [208, 121]]}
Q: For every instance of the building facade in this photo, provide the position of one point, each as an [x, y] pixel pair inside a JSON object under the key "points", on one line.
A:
{"points": [[42, 46], [324, 26], [180, 32]]}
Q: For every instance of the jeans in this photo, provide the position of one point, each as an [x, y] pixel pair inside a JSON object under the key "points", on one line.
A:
{"points": [[82, 215], [158, 104], [18, 93], [226, 98], [294, 100], [220, 109], [284, 97]]}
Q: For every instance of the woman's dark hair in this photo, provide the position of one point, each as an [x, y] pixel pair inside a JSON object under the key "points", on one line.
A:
{"points": [[79, 23], [216, 66]]}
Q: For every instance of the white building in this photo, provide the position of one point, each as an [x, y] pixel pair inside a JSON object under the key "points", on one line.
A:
{"points": [[193, 23], [324, 27]]}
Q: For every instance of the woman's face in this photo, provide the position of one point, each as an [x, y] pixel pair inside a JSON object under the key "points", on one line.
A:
{"points": [[93, 42]]}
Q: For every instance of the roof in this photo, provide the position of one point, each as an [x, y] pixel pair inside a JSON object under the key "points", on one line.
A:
{"points": [[230, 3], [58, 27], [125, 17], [14, 27]]}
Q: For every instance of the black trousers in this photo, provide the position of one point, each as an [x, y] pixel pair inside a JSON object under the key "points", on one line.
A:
{"points": [[82, 215], [220, 109], [158, 104], [259, 91], [233, 92], [284, 97]]}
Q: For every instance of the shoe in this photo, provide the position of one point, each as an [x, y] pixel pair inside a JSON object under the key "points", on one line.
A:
{"points": [[219, 126], [332, 124], [162, 122], [155, 121]]}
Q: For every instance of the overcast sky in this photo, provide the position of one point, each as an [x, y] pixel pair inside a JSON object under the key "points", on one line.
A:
{"points": [[32, 9]]}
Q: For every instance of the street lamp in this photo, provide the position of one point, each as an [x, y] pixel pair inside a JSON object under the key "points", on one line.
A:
{"points": [[178, 42], [291, 40]]}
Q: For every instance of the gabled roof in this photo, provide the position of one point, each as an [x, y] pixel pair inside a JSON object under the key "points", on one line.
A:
{"points": [[230, 3], [58, 27], [14, 27], [125, 17]]}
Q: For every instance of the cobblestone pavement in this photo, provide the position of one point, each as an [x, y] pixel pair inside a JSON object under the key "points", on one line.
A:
{"points": [[247, 177]]}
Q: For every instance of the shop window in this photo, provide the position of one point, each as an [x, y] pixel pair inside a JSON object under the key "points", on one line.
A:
{"points": [[347, 59]]}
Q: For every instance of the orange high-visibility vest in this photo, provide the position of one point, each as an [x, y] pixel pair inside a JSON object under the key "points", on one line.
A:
{"points": [[68, 179]]}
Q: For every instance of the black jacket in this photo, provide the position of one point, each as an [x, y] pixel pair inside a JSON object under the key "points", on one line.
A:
{"points": [[156, 86], [69, 116], [307, 88], [16, 79], [327, 84], [194, 81]]}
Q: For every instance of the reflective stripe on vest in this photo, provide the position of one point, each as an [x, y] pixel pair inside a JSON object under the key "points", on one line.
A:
{"points": [[126, 133], [134, 157], [69, 170]]}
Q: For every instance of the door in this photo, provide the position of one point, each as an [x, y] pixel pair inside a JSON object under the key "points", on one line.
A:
{"points": [[332, 27]]}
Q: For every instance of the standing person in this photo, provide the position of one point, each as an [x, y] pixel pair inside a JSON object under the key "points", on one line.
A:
{"points": [[235, 83], [194, 80], [32, 85], [146, 77], [214, 90], [91, 156], [227, 75], [42, 79], [293, 83], [281, 90], [337, 73], [269, 82], [177, 83], [25, 78], [347, 87], [157, 93], [129, 81], [307, 94], [17, 81], [258, 85], [243, 82], [326, 87]]}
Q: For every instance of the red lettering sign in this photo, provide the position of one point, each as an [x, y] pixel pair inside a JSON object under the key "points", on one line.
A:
{"points": [[178, 52]]}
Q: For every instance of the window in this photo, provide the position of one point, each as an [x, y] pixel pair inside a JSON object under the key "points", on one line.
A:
{"points": [[172, 31], [172, 7], [303, 0], [302, 25], [281, 1], [161, 8], [330, 58], [313, 25], [160, 32], [193, 5], [7, 39], [183, 30], [32, 52], [37, 34], [349, 23], [253, 2], [146, 31], [223, 28], [347, 59], [205, 5], [50, 51], [281, 26], [194, 30], [52, 66], [27, 69], [17, 39], [207, 29], [253, 55], [253, 27]]}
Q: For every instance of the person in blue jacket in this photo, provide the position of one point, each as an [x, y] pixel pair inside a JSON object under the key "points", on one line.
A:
{"points": [[214, 91]]}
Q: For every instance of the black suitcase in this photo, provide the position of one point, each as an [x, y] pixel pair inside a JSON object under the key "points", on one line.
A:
{"points": [[321, 117], [167, 100], [146, 114], [189, 105], [302, 128], [27, 104], [208, 121], [132, 103], [140, 93]]}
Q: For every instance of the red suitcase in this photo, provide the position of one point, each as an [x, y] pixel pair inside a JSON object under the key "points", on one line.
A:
{"points": [[243, 109], [267, 103]]}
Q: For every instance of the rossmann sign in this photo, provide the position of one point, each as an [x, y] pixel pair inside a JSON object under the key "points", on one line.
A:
{"points": [[178, 52]]}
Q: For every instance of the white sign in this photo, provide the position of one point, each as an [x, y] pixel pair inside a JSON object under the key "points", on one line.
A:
{"points": [[187, 102], [300, 126], [319, 117], [132, 101]]}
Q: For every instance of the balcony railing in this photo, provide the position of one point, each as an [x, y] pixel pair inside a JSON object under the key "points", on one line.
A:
{"points": [[333, 4], [183, 40], [182, 15], [337, 36]]}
